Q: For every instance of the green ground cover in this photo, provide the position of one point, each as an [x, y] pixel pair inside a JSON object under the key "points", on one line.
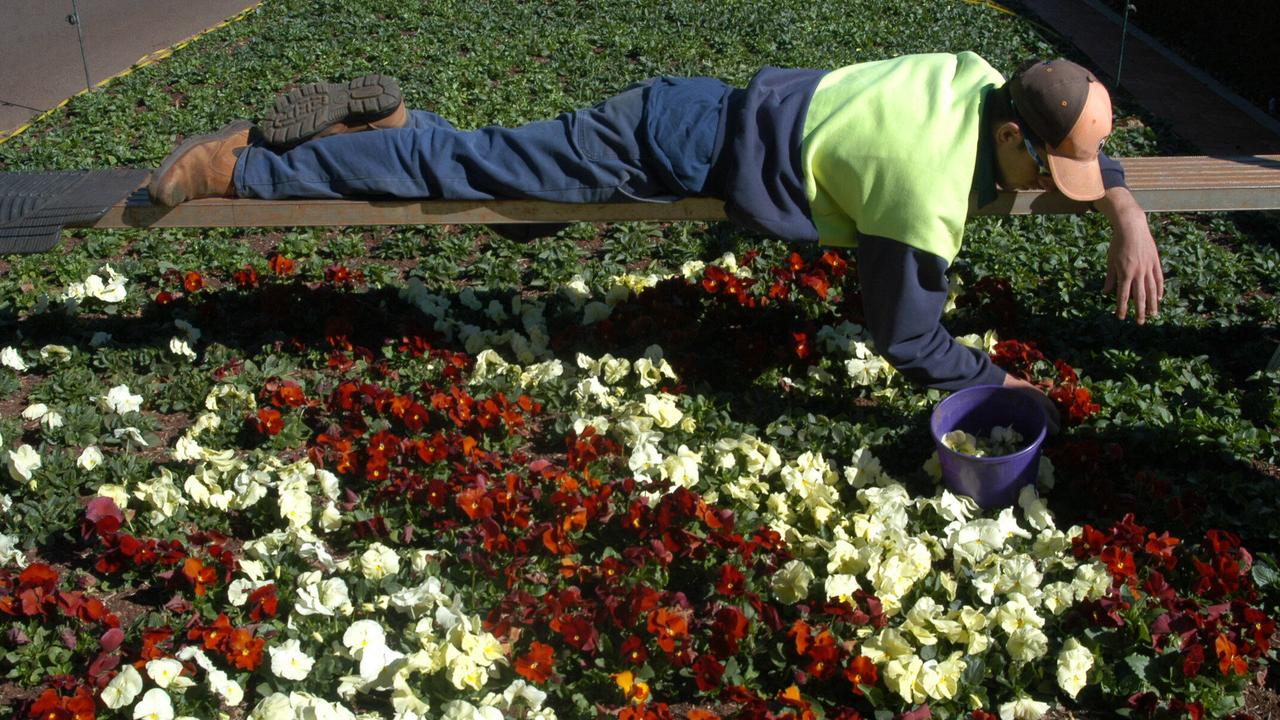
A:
{"points": [[1184, 436]]}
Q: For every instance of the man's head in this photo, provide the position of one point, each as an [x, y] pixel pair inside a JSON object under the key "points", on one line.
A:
{"points": [[1059, 116]]}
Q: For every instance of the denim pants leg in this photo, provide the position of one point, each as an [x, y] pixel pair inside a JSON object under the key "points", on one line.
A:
{"points": [[591, 155]]}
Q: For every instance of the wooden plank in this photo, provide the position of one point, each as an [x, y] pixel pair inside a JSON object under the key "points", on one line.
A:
{"points": [[1160, 184]]}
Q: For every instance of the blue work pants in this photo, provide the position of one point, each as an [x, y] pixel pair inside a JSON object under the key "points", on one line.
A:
{"points": [[656, 141]]}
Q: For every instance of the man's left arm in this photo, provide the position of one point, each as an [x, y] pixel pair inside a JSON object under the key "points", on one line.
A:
{"points": [[1133, 262]]}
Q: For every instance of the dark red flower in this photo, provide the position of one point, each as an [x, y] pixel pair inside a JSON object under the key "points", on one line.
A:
{"points": [[579, 633], [536, 665], [263, 603], [198, 575], [800, 344], [861, 671], [192, 281], [633, 651], [1192, 660], [1229, 660], [727, 630], [707, 673], [1120, 562], [669, 626], [279, 264], [244, 650], [822, 655], [731, 581], [268, 421], [246, 277]]}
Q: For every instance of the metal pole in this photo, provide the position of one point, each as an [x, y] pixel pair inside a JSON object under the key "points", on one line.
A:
{"points": [[74, 19], [1124, 32]]}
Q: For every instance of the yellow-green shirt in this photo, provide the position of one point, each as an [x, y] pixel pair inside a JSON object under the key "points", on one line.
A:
{"points": [[890, 147]]}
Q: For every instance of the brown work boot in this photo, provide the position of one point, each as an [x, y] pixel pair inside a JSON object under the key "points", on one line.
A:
{"points": [[201, 166], [372, 102]]}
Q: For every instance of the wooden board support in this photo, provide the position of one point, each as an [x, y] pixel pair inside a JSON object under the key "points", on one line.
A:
{"points": [[1160, 184]]}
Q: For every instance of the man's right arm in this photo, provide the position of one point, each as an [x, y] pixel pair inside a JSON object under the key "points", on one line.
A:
{"points": [[903, 293]]}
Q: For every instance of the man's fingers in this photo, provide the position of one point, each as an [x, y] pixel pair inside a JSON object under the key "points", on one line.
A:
{"points": [[1153, 293], [1111, 280], [1122, 301], [1140, 300]]}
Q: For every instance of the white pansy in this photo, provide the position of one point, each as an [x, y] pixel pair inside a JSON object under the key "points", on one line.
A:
{"points": [[1035, 509], [118, 494], [12, 359], [253, 569], [130, 435], [111, 290], [681, 468], [1026, 644], [330, 518], [362, 635], [180, 347], [329, 483], [662, 408], [55, 353], [288, 661], [230, 690], [161, 494], [1024, 708], [120, 401], [154, 705], [35, 411], [275, 706], [841, 587], [463, 710], [23, 462], [90, 458], [791, 582], [11, 554], [51, 420], [296, 507], [1074, 662], [902, 675], [187, 449], [941, 679], [379, 561], [1058, 597], [123, 688], [167, 672]]}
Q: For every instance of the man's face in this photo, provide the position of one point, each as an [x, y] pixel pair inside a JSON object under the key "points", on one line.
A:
{"points": [[1016, 166]]}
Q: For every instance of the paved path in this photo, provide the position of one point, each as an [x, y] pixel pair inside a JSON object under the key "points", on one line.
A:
{"points": [[40, 53], [1198, 109]]}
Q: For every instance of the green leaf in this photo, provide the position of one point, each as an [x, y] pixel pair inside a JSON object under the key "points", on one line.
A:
{"points": [[1138, 664], [1264, 572]]}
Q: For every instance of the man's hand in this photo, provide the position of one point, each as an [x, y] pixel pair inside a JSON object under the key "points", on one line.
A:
{"points": [[1133, 263], [1035, 393]]}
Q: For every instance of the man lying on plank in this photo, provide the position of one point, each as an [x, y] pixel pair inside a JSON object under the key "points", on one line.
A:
{"points": [[883, 156]]}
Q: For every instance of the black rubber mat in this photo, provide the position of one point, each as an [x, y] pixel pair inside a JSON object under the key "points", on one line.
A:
{"points": [[35, 206]]}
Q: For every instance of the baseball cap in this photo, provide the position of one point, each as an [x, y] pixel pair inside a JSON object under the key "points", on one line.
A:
{"points": [[1068, 110]]}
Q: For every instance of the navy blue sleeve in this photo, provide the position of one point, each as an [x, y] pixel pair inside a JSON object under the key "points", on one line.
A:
{"points": [[1112, 171], [903, 293]]}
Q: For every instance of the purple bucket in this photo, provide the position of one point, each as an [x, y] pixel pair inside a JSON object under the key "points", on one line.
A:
{"points": [[991, 481]]}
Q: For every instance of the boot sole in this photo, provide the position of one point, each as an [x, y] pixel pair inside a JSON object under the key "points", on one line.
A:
{"points": [[305, 111], [187, 145]]}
